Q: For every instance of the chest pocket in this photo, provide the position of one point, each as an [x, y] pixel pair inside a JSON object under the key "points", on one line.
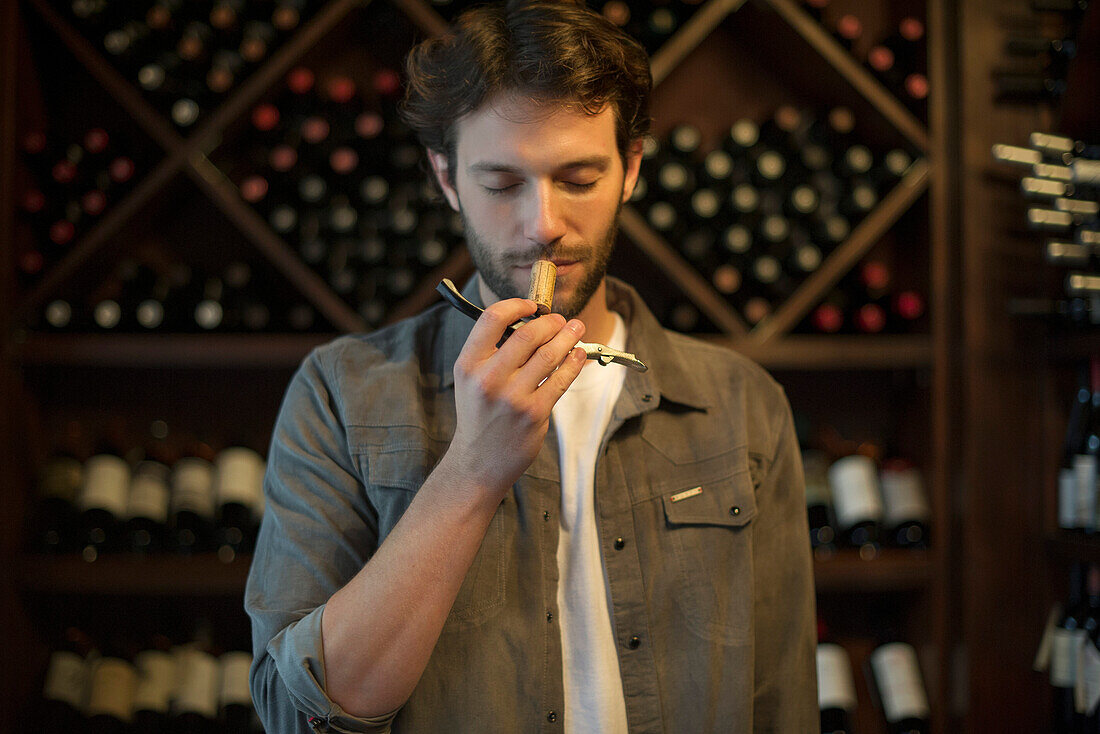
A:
{"points": [[708, 529], [395, 462]]}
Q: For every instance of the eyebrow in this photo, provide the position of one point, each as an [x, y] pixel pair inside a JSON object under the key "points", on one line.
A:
{"points": [[593, 161]]}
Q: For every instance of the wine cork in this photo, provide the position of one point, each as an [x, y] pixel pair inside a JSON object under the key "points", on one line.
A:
{"points": [[543, 274]]}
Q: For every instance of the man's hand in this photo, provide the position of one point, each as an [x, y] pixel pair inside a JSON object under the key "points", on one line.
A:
{"points": [[504, 396]]}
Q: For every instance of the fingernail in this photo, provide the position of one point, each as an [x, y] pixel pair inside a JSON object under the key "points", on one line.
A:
{"points": [[576, 326]]}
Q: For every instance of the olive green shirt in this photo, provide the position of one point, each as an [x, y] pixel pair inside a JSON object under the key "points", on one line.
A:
{"points": [[702, 527]]}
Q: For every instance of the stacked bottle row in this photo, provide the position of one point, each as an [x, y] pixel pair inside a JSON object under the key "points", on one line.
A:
{"points": [[339, 178], [1062, 188], [74, 181], [853, 503], [160, 294], [177, 496], [762, 210], [894, 674], [125, 688], [1069, 652], [898, 58], [867, 301], [1037, 61], [187, 56]]}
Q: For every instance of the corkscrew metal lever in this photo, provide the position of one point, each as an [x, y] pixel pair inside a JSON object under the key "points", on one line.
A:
{"points": [[603, 354]]}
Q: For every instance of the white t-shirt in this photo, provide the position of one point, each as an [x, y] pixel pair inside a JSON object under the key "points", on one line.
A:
{"points": [[594, 699]]}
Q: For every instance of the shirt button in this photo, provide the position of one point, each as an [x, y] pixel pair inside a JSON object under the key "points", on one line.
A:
{"points": [[551, 716], [546, 516], [635, 641], [549, 616], [646, 398], [619, 543], [735, 510]]}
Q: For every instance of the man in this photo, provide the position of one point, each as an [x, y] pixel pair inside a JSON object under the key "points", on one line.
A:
{"points": [[464, 534]]}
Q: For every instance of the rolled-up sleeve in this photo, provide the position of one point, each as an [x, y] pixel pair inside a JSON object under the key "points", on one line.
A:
{"points": [[786, 634], [318, 531]]}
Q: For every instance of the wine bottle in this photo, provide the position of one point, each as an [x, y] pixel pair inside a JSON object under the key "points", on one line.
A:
{"points": [[235, 699], [1075, 430], [54, 523], [103, 499], [238, 485], [1066, 640], [1085, 456], [898, 679], [906, 512], [195, 707], [156, 681], [111, 689], [192, 511], [63, 692], [819, 504], [836, 690], [147, 509], [857, 502]]}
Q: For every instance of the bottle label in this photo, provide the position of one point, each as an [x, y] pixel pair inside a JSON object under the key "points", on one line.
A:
{"points": [[239, 476], [197, 682], [61, 478], [149, 492], [235, 689], [904, 497], [1087, 689], [1084, 469], [899, 682], [66, 679], [1067, 499], [835, 687], [156, 679], [112, 689], [193, 487], [106, 484], [856, 496], [1064, 648]]}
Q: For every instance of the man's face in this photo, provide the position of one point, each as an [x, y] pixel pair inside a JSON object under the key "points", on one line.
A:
{"points": [[539, 182]]}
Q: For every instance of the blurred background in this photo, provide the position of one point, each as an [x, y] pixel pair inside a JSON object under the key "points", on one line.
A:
{"points": [[891, 205]]}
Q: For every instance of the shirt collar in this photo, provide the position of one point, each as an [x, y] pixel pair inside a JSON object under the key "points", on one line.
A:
{"points": [[669, 376]]}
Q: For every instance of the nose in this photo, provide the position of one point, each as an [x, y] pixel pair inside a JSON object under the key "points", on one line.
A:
{"points": [[543, 223]]}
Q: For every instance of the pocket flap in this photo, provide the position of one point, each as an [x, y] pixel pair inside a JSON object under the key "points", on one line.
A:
{"points": [[729, 501]]}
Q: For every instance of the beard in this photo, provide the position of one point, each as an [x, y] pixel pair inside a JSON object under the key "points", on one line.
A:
{"points": [[496, 270]]}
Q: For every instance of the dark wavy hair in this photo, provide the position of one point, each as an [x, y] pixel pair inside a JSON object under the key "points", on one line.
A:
{"points": [[545, 50]]}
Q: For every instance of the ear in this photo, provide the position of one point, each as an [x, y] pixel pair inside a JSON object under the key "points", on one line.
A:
{"points": [[633, 164], [442, 172]]}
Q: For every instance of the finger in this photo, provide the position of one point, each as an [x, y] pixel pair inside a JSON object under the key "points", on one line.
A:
{"points": [[557, 383], [491, 326], [549, 356], [525, 342]]}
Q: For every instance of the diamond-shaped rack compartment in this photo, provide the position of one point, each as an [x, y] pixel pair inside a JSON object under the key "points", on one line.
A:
{"points": [[179, 266], [757, 79], [322, 172]]}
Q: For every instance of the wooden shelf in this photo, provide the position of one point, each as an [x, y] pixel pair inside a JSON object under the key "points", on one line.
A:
{"points": [[890, 570], [160, 575], [813, 352], [160, 351]]}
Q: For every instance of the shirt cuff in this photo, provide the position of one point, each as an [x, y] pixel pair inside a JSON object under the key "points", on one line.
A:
{"points": [[298, 654]]}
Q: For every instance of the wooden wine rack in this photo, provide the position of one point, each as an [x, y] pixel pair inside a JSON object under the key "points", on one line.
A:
{"points": [[926, 577]]}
